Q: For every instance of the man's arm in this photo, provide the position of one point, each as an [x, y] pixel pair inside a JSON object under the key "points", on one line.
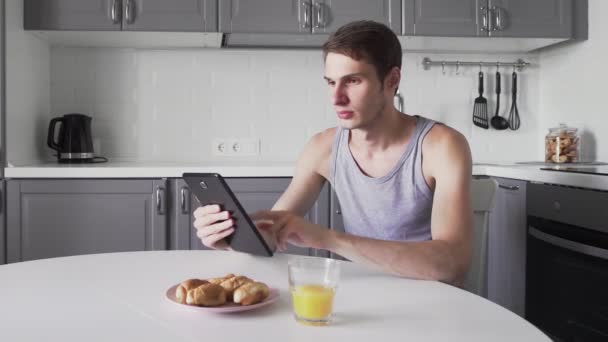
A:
{"points": [[446, 256]]}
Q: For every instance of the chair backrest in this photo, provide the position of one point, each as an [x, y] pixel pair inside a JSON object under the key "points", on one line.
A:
{"points": [[483, 191]]}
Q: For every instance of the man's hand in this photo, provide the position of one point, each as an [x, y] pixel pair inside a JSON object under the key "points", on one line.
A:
{"points": [[213, 225], [289, 227]]}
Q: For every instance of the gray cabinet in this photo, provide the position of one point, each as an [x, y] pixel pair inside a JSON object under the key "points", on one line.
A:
{"points": [[116, 15], [303, 16], [461, 18], [494, 18], [507, 246], [53, 218], [2, 225], [72, 15], [538, 18], [335, 219], [174, 15], [253, 193], [329, 15], [263, 16]]}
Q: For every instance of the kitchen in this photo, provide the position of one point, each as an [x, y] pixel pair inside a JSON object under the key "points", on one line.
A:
{"points": [[173, 104]]}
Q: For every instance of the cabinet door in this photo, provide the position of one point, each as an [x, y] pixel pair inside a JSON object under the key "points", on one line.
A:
{"points": [[174, 15], [53, 218], [2, 226], [539, 18], [261, 194], [329, 15], [507, 246], [460, 18], [98, 15], [264, 16]]}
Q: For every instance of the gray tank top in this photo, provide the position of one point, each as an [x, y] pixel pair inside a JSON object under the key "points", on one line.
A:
{"points": [[396, 206]]}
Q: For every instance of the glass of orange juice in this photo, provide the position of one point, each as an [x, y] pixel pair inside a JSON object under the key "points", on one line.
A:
{"points": [[313, 282]]}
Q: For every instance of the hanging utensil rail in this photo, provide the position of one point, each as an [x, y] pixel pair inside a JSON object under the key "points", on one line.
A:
{"points": [[520, 64]]}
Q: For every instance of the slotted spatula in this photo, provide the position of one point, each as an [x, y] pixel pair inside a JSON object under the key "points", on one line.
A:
{"points": [[480, 108]]}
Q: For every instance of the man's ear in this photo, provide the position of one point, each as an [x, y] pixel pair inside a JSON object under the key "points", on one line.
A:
{"points": [[394, 78]]}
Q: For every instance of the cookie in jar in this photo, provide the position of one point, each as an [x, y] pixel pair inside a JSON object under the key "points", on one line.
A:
{"points": [[562, 145]]}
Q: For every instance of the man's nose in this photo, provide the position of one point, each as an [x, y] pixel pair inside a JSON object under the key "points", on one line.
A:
{"points": [[339, 96]]}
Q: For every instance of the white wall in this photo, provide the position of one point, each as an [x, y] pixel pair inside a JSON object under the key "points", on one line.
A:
{"points": [[157, 105], [27, 90], [573, 88]]}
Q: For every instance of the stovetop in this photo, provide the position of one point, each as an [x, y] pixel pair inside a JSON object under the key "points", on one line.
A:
{"points": [[591, 170]]}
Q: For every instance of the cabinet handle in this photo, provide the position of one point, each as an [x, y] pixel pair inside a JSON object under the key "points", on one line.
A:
{"points": [[129, 11], [307, 9], [498, 15], [484, 19], [184, 196], [508, 187], [338, 212], [159, 201], [399, 98], [114, 11], [320, 15]]}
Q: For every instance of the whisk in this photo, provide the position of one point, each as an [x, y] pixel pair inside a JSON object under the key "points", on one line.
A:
{"points": [[514, 121]]}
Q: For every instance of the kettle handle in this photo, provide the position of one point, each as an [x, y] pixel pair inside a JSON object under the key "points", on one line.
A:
{"points": [[50, 141]]}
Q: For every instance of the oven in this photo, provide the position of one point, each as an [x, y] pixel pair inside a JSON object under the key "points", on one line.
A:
{"points": [[567, 262]]}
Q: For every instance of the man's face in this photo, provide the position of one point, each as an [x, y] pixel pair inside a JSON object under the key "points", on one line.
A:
{"points": [[355, 90]]}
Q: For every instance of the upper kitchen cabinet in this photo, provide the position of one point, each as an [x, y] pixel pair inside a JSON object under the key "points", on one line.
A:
{"points": [[304, 16], [329, 15], [489, 18], [62, 217], [524, 18], [126, 15], [444, 17], [103, 15], [264, 16]]}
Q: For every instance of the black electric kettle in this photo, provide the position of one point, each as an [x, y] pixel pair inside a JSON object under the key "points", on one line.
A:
{"points": [[74, 142]]}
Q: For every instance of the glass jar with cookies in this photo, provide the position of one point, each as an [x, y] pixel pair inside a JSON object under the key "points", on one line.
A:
{"points": [[562, 145]]}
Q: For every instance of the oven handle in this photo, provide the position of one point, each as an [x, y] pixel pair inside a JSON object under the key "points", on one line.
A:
{"points": [[571, 245]]}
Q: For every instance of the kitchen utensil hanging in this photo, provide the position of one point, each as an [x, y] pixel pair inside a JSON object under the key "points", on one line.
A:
{"points": [[480, 107], [498, 122], [514, 121]]}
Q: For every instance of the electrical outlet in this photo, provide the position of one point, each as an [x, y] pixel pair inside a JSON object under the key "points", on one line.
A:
{"points": [[236, 147]]}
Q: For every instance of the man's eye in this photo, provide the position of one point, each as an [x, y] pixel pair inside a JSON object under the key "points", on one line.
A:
{"points": [[353, 81], [331, 83]]}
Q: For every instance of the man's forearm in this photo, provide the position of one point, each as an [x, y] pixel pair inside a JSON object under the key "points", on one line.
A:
{"points": [[430, 260]]}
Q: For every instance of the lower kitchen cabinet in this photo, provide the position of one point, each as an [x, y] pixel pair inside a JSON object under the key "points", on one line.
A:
{"points": [[61, 217], [507, 246], [253, 193], [2, 226]]}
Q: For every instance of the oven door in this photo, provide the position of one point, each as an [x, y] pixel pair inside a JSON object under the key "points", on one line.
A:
{"points": [[567, 281]]}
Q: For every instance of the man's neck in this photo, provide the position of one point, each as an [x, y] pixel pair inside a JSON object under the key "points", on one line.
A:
{"points": [[391, 129]]}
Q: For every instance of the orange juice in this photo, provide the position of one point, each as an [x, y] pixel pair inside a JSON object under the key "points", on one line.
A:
{"points": [[312, 302]]}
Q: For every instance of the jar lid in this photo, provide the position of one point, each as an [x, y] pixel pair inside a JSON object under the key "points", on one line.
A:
{"points": [[563, 128]]}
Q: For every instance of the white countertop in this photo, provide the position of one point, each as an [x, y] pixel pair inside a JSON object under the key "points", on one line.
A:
{"points": [[273, 169], [121, 297]]}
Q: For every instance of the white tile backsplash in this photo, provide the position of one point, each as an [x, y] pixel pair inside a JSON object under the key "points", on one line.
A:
{"points": [[169, 105]]}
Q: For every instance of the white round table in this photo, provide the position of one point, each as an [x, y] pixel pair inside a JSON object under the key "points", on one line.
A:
{"points": [[121, 297]]}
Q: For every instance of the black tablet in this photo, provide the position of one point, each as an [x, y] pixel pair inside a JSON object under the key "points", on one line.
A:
{"points": [[211, 188]]}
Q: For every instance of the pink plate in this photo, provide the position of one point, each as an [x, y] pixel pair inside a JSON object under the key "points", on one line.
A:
{"points": [[230, 307]]}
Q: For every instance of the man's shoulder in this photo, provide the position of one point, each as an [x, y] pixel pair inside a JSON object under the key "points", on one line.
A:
{"points": [[442, 136], [323, 140]]}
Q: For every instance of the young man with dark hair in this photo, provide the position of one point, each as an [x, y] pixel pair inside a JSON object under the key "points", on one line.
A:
{"points": [[402, 181]]}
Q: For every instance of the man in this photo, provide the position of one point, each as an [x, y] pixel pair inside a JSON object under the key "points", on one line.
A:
{"points": [[402, 181]]}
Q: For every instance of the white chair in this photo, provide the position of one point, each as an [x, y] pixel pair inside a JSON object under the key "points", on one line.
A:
{"points": [[483, 191]]}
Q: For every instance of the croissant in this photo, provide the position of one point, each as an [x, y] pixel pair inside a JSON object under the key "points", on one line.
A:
{"points": [[220, 279], [185, 286], [233, 283], [207, 294], [251, 293]]}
